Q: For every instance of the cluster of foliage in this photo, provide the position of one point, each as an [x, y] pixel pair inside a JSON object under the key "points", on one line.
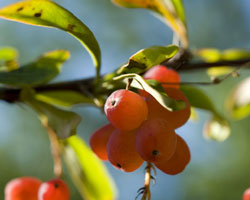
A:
{"points": [[30, 85]]}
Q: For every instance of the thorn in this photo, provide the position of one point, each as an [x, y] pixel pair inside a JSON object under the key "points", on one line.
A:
{"points": [[153, 179], [139, 194], [141, 189]]}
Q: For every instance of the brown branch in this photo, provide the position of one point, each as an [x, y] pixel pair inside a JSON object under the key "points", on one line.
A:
{"points": [[85, 86]]}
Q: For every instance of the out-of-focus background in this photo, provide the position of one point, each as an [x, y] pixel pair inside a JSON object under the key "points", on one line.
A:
{"points": [[217, 170]]}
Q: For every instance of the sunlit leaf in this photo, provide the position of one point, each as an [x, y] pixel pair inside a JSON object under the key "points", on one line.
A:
{"points": [[8, 53], [170, 11], [194, 115], [63, 123], [209, 54], [179, 10], [8, 59], [139, 83], [217, 129], [238, 102], [147, 58], [235, 54], [219, 71], [64, 98], [87, 172], [49, 14], [40, 72]]}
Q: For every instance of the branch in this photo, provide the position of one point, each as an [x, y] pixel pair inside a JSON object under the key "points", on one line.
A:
{"points": [[85, 86]]}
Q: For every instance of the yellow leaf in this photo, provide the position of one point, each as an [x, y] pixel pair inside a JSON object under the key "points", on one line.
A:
{"points": [[166, 9]]}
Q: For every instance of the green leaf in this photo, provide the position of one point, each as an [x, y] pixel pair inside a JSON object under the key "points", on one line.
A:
{"points": [[179, 10], [8, 53], [87, 171], [197, 98], [235, 54], [209, 54], [49, 14], [139, 83], [8, 59], [63, 98], [147, 58], [63, 123], [170, 11], [217, 128], [40, 72], [238, 102]]}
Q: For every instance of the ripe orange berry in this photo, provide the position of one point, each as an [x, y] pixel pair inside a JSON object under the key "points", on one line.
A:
{"points": [[156, 140], [122, 152], [177, 163], [126, 110], [246, 195], [176, 118], [164, 75], [24, 188], [99, 139], [54, 189]]}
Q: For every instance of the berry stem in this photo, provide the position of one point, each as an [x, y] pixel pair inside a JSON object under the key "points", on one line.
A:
{"points": [[129, 83], [145, 191]]}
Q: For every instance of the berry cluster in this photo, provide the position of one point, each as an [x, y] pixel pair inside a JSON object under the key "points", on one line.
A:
{"points": [[29, 188], [141, 129]]}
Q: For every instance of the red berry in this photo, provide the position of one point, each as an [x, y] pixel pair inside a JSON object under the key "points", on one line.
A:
{"points": [[175, 118], [54, 189], [25, 188], [99, 139], [156, 140], [126, 110], [163, 75], [177, 163], [122, 152], [246, 195]]}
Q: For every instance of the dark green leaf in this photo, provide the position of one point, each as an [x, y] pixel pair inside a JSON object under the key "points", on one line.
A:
{"points": [[87, 171], [139, 83], [40, 72], [63, 123], [49, 14], [197, 98]]}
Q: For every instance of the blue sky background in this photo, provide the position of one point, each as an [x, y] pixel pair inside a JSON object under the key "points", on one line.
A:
{"points": [[217, 170]]}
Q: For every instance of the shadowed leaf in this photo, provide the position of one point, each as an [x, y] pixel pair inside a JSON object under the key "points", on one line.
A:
{"points": [[217, 128], [63, 123], [40, 72]]}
